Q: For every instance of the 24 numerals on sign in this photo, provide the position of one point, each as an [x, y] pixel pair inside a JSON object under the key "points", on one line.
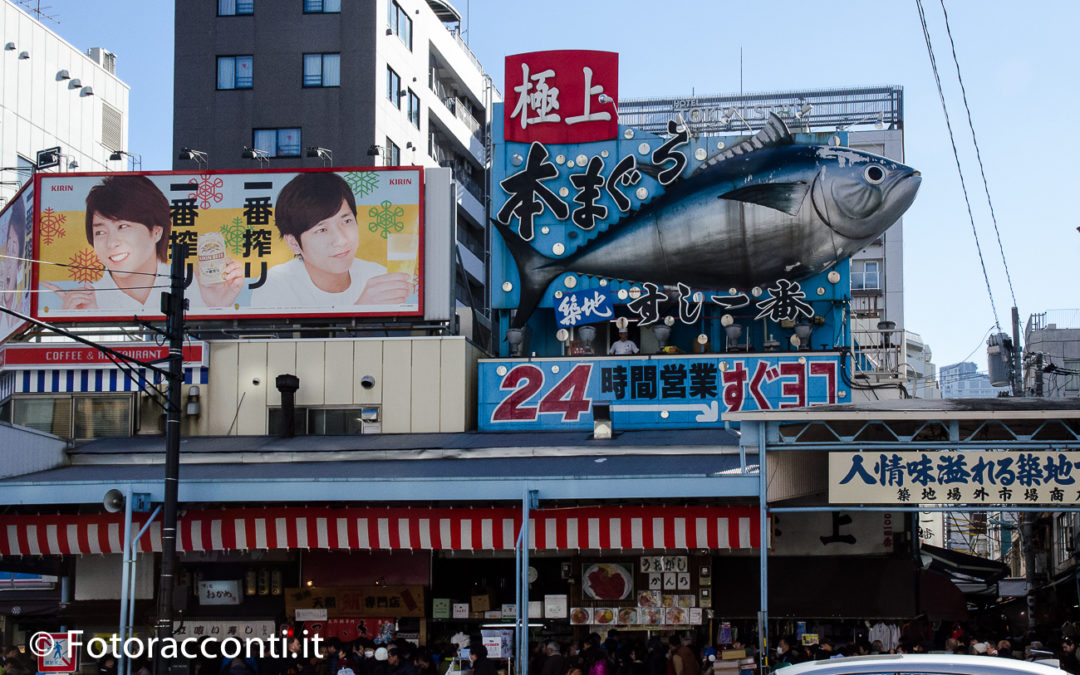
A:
{"points": [[567, 397]]}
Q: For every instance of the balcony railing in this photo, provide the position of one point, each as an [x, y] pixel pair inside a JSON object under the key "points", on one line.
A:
{"points": [[878, 354], [456, 105]]}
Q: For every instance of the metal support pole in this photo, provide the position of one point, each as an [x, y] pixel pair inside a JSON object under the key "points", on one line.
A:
{"points": [[763, 515], [1039, 374], [175, 330], [521, 633], [124, 574], [1018, 375], [1027, 532], [128, 632]]}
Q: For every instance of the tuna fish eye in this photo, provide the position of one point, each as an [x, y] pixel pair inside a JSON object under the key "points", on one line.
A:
{"points": [[874, 175]]}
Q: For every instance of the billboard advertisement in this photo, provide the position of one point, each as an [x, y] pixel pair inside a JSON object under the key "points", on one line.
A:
{"points": [[16, 252], [593, 219], [678, 392], [256, 244]]}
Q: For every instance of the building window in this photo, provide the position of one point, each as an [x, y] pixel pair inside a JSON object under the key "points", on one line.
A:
{"points": [[235, 7], [75, 416], [1064, 527], [350, 421], [322, 6], [414, 109], [393, 153], [865, 275], [400, 23], [235, 72], [278, 142], [393, 87], [322, 70]]}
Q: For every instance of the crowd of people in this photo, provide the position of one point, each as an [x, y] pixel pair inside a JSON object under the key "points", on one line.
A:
{"points": [[789, 651], [615, 655]]}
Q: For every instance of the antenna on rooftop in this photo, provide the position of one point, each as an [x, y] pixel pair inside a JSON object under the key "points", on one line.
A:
{"points": [[34, 7]]}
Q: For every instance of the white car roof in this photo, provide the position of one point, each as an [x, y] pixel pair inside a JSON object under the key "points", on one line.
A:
{"points": [[952, 664]]}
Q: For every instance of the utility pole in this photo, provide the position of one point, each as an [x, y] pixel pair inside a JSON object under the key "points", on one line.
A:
{"points": [[1018, 374], [1039, 374], [1027, 522], [173, 306]]}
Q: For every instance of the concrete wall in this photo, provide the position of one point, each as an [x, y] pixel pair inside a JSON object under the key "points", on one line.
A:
{"points": [[1060, 347], [25, 451], [39, 110], [423, 384]]}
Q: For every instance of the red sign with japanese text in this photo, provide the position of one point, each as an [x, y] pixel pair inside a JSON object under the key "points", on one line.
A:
{"points": [[563, 96]]}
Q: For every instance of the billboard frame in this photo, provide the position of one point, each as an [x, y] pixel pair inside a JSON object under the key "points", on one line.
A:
{"points": [[191, 316]]}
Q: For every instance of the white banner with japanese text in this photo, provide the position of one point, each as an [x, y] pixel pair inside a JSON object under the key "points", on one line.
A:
{"points": [[954, 477]]}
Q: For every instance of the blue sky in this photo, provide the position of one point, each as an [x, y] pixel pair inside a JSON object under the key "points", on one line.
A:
{"points": [[1016, 67]]}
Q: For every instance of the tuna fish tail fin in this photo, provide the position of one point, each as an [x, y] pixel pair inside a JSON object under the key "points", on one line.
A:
{"points": [[535, 272]]}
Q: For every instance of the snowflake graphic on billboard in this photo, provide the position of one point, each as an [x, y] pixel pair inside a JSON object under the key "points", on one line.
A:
{"points": [[85, 267], [386, 217], [52, 226], [234, 235], [209, 190], [362, 183]]}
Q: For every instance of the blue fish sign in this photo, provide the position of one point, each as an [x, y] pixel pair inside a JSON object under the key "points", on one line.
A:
{"points": [[763, 209]]}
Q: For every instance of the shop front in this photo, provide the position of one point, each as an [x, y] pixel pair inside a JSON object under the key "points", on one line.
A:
{"points": [[628, 540]]}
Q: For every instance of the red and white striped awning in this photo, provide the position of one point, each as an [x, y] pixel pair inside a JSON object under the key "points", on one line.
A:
{"points": [[455, 529]]}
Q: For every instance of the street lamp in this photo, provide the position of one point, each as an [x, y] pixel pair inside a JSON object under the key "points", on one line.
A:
{"points": [[325, 154], [198, 156], [373, 152], [262, 156], [136, 159]]}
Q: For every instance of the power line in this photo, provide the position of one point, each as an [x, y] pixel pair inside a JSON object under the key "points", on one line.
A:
{"points": [[76, 267], [978, 154], [977, 346], [74, 290], [956, 157]]}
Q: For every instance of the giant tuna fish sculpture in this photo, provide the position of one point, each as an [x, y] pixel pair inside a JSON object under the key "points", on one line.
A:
{"points": [[762, 210]]}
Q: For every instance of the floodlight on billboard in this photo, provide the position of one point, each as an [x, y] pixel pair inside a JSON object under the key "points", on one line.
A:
{"points": [[257, 244]]}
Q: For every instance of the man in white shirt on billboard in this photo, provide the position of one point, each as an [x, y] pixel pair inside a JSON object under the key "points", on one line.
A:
{"points": [[316, 216], [624, 346]]}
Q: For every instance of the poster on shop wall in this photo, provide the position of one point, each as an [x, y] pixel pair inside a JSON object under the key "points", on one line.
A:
{"points": [[380, 630]]}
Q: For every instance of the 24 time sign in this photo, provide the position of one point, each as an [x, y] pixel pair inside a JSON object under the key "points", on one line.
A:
{"points": [[651, 392]]}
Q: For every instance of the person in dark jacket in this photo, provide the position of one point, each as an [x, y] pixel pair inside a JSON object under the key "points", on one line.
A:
{"points": [[1068, 660], [555, 663], [400, 662], [656, 662], [481, 664]]}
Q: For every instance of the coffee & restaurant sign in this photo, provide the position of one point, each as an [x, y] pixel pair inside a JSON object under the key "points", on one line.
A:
{"points": [[358, 601]]}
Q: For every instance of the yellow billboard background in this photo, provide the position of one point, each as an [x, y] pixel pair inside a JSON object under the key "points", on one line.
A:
{"points": [[388, 216], [75, 247]]}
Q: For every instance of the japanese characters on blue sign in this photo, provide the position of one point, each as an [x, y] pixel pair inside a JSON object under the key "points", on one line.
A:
{"points": [[576, 309], [976, 477], [651, 392]]}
